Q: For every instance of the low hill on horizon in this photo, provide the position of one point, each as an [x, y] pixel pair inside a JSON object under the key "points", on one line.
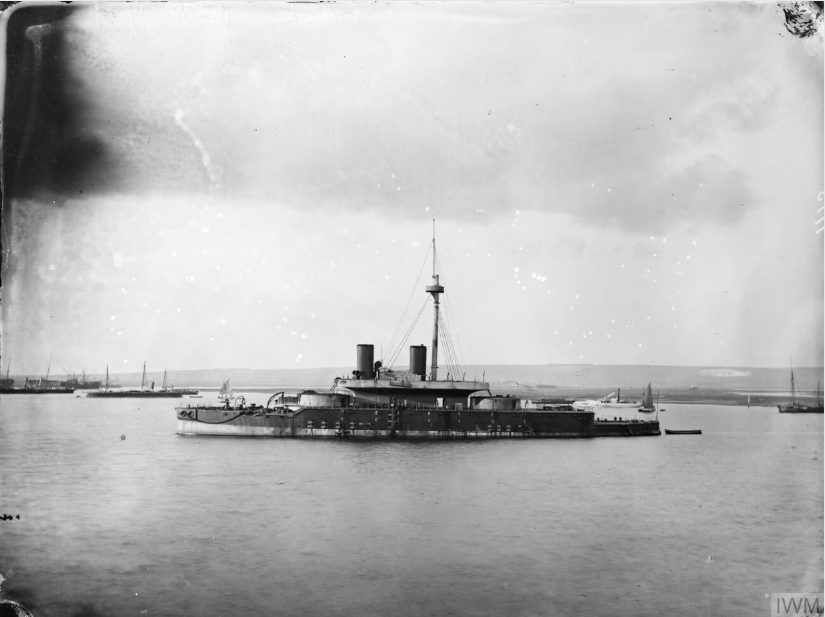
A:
{"points": [[525, 375]]}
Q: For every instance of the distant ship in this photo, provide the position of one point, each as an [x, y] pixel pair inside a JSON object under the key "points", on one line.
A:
{"points": [[81, 382], [146, 390], [35, 386], [615, 402], [794, 407], [382, 402], [43, 385], [6, 384]]}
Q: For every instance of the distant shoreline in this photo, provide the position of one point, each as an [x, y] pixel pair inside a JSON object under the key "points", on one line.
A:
{"points": [[551, 380]]}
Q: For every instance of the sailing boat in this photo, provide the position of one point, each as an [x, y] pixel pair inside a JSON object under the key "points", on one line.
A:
{"points": [[226, 392], [794, 407], [647, 401]]}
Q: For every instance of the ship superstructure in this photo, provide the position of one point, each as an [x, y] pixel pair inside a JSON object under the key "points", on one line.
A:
{"points": [[371, 382]]}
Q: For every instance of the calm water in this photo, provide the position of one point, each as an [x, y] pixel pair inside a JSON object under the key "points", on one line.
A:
{"points": [[121, 516]]}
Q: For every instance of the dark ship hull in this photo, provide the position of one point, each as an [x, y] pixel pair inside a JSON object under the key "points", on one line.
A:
{"points": [[797, 408], [185, 391], [146, 391], [36, 386], [83, 385], [36, 390], [381, 421], [136, 394]]}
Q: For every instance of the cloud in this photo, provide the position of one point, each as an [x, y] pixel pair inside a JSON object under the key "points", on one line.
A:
{"points": [[546, 109]]}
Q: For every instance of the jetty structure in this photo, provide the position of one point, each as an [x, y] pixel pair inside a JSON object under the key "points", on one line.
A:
{"points": [[381, 402]]}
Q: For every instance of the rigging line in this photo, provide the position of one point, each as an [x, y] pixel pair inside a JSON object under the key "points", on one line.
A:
{"points": [[460, 352], [496, 347], [455, 344], [450, 356], [407, 335], [409, 301], [446, 340], [455, 360], [394, 355], [398, 326], [413, 325], [457, 337], [396, 351], [450, 365]]}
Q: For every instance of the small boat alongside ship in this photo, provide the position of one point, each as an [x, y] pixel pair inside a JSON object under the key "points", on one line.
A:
{"points": [[381, 402], [670, 431], [146, 390], [614, 403]]}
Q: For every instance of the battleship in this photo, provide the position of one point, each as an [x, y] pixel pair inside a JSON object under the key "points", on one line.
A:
{"points": [[380, 402]]}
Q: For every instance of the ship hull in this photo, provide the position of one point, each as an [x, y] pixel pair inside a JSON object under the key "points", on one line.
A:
{"points": [[136, 394], [800, 409], [30, 391], [371, 423]]}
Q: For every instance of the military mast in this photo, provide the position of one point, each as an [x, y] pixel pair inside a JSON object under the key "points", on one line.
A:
{"points": [[435, 289]]}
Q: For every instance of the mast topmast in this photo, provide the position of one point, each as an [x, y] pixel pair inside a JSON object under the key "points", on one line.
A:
{"points": [[435, 290]]}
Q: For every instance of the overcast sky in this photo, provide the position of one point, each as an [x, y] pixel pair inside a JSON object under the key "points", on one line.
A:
{"points": [[612, 183]]}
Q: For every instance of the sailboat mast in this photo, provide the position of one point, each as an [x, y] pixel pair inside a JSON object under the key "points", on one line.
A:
{"points": [[106, 387], [435, 290], [143, 379]]}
